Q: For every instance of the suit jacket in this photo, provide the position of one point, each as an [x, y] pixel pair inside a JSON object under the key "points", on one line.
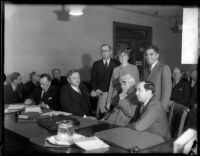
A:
{"points": [[181, 92], [153, 119], [50, 97], [193, 95], [161, 77], [124, 109], [100, 77], [11, 96], [29, 87], [60, 83], [73, 102]]}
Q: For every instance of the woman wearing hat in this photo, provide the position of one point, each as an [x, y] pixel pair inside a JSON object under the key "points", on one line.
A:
{"points": [[123, 69]]}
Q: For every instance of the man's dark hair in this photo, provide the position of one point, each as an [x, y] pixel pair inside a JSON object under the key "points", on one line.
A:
{"points": [[149, 86], [55, 70], [32, 74], [46, 75], [153, 47], [70, 72], [14, 76]]}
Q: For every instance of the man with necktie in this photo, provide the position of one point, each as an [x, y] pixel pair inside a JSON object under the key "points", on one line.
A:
{"points": [[150, 115], [74, 97], [160, 75], [100, 78], [46, 96]]}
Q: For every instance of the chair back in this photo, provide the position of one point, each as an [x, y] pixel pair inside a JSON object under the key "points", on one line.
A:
{"points": [[177, 116], [191, 119]]}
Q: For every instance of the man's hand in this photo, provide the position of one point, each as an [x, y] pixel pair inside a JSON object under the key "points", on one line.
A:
{"points": [[99, 92], [93, 93], [43, 105], [107, 106], [122, 95], [28, 102]]}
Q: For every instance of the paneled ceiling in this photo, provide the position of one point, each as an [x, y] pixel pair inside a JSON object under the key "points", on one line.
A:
{"points": [[153, 10]]}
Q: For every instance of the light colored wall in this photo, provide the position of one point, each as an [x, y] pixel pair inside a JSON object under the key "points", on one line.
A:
{"points": [[36, 41]]}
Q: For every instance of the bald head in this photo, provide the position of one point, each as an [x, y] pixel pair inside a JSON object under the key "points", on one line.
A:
{"points": [[127, 81]]}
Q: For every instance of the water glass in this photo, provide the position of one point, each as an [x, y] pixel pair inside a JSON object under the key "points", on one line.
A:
{"points": [[65, 130]]}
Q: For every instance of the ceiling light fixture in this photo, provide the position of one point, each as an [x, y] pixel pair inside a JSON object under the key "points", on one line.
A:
{"points": [[76, 10]]}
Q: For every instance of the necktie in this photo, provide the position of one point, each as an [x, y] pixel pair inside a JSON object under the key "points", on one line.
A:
{"points": [[149, 70], [43, 92], [106, 64]]}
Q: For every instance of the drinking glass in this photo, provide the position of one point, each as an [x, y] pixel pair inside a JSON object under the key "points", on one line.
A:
{"points": [[65, 130]]}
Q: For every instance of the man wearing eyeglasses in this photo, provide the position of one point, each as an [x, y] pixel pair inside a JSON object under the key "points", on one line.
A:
{"points": [[100, 78], [125, 103]]}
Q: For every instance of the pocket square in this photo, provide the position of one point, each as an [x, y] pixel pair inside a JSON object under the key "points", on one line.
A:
{"points": [[50, 98]]}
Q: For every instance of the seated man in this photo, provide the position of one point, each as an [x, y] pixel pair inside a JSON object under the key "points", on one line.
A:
{"points": [[33, 83], [150, 116], [126, 103], [58, 80], [13, 91], [180, 88], [46, 96], [74, 97]]}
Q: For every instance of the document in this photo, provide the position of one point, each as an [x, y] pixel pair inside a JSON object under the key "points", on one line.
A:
{"points": [[56, 113], [15, 106], [33, 109], [91, 143]]}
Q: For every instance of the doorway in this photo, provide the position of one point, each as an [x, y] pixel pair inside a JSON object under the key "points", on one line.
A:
{"points": [[133, 37]]}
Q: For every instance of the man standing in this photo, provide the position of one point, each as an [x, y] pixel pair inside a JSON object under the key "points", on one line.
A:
{"points": [[100, 78], [150, 116], [46, 96], [160, 75]]}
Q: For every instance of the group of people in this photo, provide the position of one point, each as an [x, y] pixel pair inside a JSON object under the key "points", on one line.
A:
{"points": [[125, 97]]}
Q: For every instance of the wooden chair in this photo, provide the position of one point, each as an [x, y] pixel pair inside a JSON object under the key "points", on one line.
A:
{"points": [[177, 116]]}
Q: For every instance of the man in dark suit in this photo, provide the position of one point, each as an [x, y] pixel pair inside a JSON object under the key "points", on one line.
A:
{"points": [[150, 116], [14, 91], [46, 96], [160, 75], [58, 80], [74, 97], [100, 78], [32, 84], [181, 88]]}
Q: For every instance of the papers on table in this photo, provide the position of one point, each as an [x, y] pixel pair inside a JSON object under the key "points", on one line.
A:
{"points": [[56, 113], [91, 143], [15, 106], [33, 109]]}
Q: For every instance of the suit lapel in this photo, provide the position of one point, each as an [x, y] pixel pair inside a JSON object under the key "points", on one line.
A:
{"points": [[154, 71]]}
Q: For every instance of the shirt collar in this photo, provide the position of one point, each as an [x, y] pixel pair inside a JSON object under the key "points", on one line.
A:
{"points": [[76, 89], [153, 64], [108, 61]]}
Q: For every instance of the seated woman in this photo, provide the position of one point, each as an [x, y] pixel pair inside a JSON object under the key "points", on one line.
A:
{"points": [[125, 103]]}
